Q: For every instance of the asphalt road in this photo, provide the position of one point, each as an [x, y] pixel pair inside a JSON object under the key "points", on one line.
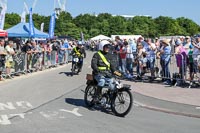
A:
{"points": [[51, 101]]}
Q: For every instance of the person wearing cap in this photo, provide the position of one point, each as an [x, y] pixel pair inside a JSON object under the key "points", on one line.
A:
{"points": [[79, 51], [165, 60], [9, 57]]}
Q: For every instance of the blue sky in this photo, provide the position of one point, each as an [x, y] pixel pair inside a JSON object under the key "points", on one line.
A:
{"points": [[172, 8]]}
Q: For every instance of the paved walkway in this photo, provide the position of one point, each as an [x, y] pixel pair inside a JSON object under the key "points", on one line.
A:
{"points": [[190, 96]]}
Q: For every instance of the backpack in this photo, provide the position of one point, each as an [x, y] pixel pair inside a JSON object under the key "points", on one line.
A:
{"points": [[176, 79]]}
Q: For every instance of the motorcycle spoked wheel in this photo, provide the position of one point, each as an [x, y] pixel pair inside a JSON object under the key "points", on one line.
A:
{"points": [[75, 69], [89, 95], [121, 103]]}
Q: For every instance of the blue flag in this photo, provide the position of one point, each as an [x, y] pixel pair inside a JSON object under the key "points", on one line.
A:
{"points": [[2, 18], [52, 25], [31, 24]]}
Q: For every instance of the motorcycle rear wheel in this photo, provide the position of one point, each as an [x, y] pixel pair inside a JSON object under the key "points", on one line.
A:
{"points": [[89, 95]]}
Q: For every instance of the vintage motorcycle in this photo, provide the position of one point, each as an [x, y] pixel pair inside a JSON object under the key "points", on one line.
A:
{"points": [[76, 65], [119, 100]]}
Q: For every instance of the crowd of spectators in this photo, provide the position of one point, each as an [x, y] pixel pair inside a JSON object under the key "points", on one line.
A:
{"points": [[34, 55], [146, 54], [135, 57]]}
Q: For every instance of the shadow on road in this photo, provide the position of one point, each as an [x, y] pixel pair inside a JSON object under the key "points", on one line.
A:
{"points": [[76, 102], [66, 73], [80, 102]]}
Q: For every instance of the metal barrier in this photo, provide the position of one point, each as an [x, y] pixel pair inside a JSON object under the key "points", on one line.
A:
{"points": [[194, 69], [24, 63], [177, 69]]}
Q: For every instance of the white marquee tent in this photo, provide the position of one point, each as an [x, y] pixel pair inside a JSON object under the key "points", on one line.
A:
{"points": [[127, 37], [100, 37]]}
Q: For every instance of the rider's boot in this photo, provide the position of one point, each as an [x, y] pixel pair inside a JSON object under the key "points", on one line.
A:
{"points": [[98, 94]]}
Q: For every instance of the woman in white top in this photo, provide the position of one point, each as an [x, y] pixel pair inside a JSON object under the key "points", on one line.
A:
{"points": [[9, 59]]}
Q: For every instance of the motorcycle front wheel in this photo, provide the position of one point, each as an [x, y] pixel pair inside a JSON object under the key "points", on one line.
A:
{"points": [[122, 103], [74, 68]]}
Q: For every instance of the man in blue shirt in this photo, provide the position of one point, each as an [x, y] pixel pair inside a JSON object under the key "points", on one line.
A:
{"points": [[165, 59]]}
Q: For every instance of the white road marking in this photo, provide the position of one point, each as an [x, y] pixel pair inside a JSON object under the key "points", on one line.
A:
{"points": [[20, 115], [9, 105], [62, 117], [45, 115], [4, 120], [136, 103], [24, 104], [197, 107], [74, 111], [49, 114], [12, 106]]}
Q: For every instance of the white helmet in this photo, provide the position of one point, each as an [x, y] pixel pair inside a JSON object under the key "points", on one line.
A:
{"points": [[80, 43], [102, 44]]}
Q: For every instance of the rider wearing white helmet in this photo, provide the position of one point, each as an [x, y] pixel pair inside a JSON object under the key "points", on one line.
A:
{"points": [[103, 67], [103, 43]]}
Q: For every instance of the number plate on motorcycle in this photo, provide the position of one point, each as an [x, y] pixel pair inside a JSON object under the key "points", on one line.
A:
{"points": [[75, 59]]}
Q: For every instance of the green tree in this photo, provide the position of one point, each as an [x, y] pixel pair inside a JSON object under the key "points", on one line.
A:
{"points": [[168, 26], [62, 23], [107, 24], [189, 26], [85, 21], [11, 20], [117, 25], [143, 26], [103, 27], [94, 32]]}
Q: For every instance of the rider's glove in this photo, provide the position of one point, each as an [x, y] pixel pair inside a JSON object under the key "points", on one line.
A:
{"points": [[117, 73]]}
